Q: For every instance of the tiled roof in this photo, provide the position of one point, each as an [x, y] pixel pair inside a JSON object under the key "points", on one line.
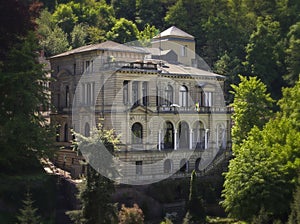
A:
{"points": [[107, 45], [174, 32]]}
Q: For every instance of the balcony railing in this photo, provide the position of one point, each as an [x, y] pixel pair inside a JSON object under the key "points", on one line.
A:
{"points": [[205, 110]]}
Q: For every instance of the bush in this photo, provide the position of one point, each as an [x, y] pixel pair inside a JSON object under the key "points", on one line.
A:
{"points": [[132, 215]]}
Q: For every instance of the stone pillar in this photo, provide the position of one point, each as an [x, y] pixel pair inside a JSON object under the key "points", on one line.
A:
{"points": [[175, 139], [206, 138], [191, 139], [159, 140], [140, 93]]}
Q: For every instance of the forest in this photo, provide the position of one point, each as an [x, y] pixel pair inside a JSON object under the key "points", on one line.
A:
{"points": [[254, 43]]}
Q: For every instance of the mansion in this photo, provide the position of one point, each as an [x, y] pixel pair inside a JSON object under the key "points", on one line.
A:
{"points": [[162, 101]]}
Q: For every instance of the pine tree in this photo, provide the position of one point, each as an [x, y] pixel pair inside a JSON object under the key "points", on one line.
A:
{"points": [[195, 209], [28, 214], [24, 135]]}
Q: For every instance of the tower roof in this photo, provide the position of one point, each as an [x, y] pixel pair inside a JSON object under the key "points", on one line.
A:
{"points": [[173, 31]]}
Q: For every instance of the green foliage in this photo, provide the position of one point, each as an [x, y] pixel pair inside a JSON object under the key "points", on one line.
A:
{"points": [[22, 95], [264, 172], [251, 107], [265, 53], [293, 55], [79, 35], [146, 35], [28, 214], [96, 190], [131, 215], [195, 209], [123, 31], [294, 217]]}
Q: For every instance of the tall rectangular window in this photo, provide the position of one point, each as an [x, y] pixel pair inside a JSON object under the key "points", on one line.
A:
{"points": [[135, 93], [145, 93], [67, 95], [184, 51], [125, 92]]}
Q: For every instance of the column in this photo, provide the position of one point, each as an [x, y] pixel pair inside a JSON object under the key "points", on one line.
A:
{"points": [[206, 138], [159, 140], [191, 139], [175, 139]]}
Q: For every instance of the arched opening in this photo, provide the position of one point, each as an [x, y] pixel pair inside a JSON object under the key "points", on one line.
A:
{"points": [[183, 135], [137, 133], [221, 136], [184, 166], [66, 133], [168, 166], [198, 135], [183, 96], [57, 133], [87, 130], [169, 135], [197, 163]]}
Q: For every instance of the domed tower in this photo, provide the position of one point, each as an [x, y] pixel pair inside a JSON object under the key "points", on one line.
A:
{"points": [[182, 43]]}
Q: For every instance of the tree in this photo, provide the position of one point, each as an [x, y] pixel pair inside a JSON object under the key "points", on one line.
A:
{"points": [[293, 55], [22, 95], [195, 209], [265, 54], [147, 34], [131, 215], [95, 193], [28, 214], [264, 171], [294, 217], [252, 107], [123, 31], [52, 38], [79, 35]]}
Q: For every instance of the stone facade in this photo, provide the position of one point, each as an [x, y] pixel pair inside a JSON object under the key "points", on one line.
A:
{"points": [[166, 113]]}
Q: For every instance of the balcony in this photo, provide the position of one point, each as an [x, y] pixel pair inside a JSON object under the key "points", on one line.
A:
{"points": [[199, 110]]}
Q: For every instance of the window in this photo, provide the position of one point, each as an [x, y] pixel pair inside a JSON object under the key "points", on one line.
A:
{"points": [[135, 93], [87, 130], [208, 99], [57, 133], [183, 96], [74, 69], [66, 133], [168, 166], [169, 95], [88, 93], [125, 92], [89, 66], [137, 133], [67, 95], [184, 51], [145, 93], [139, 167]]}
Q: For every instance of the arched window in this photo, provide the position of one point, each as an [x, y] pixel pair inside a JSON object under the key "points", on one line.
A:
{"points": [[66, 133], [197, 163], [137, 133], [168, 166], [184, 135], [183, 96], [87, 130], [184, 165], [168, 135], [169, 95], [58, 133]]}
